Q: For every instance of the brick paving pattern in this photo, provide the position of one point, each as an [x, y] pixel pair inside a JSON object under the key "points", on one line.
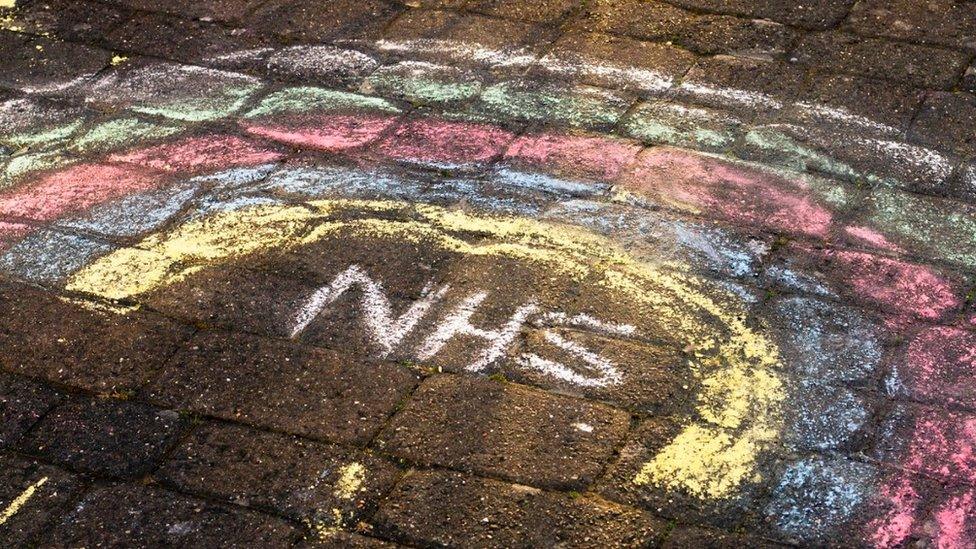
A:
{"points": [[487, 273]]}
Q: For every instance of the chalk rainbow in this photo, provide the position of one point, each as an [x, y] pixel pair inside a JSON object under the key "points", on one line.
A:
{"points": [[222, 165]]}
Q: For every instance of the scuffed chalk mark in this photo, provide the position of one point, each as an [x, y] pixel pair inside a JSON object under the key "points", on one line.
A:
{"points": [[545, 183], [18, 503], [512, 57], [321, 62], [841, 115], [743, 97], [351, 479]]}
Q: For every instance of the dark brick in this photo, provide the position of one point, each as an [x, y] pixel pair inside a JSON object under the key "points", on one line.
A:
{"points": [[67, 19], [818, 14], [37, 63], [945, 22], [655, 378], [501, 34], [305, 480], [22, 403], [132, 514], [745, 86], [632, 57], [65, 342], [173, 37], [947, 121], [539, 11], [43, 492], [969, 79], [706, 34], [920, 66], [420, 24], [315, 21], [886, 103], [685, 537], [218, 10], [283, 386], [506, 430], [454, 510], [247, 300], [344, 540], [105, 436]]}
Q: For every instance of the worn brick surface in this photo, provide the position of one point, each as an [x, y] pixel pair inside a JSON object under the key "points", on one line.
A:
{"points": [[220, 10], [311, 21], [42, 492], [64, 342], [943, 22], [118, 514], [454, 510], [67, 19], [22, 403], [922, 66], [806, 14], [105, 436], [505, 430], [40, 63], [283, 386], [284, 474], [947, 121], [706, 34], [172, 37]]}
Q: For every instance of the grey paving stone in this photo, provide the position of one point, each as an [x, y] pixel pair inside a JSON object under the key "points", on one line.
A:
{"points": [[22, 403], [33, 496]]}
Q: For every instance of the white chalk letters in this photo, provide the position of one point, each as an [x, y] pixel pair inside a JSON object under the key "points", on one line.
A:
{"points": [[387, 331]]}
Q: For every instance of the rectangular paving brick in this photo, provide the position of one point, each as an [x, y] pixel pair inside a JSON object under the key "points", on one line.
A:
{"points": [[921, 66], [22, 403], [41, 64], [746, 86], [305, 480], [284, 386], [683, 537], [314, 21], [219, 10], [133, 514], [65, 342], [41, 491], [705, 34], [105, 436], [945, 22], [505, 430], [67, 19], [175, 37], [454, 510], [820, 14], [947, 121], [641, 66], [539, 11], [836, 99], [272, 303]]}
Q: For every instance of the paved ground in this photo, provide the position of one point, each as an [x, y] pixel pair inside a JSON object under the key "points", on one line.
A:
{"points": [[487, 273]]}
